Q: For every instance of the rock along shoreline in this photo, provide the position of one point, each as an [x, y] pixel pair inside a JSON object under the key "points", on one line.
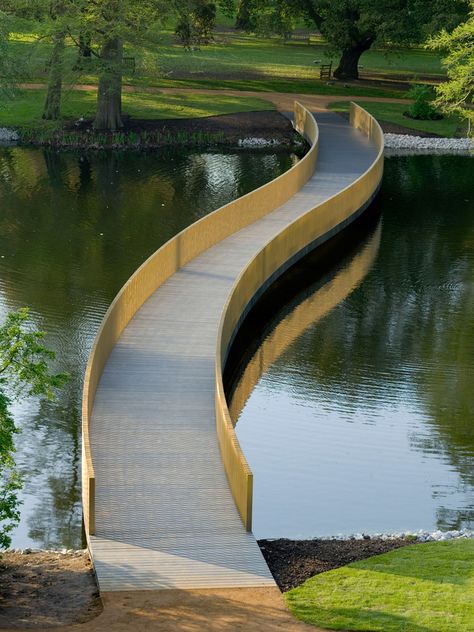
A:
{"points": [[403, 144], [395, 144], [422, 535]]}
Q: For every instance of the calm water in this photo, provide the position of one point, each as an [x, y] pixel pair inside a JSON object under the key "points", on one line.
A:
{"points": [[362, 415], [72, 230]]}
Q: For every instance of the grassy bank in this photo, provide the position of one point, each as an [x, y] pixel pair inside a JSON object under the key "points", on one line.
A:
{"points": [[393, 113], [420, 588], [25, 109]]}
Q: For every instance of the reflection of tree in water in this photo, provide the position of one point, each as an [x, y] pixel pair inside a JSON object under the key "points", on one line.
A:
{"points": [[73, 228], [408, 333], [56, 521]]}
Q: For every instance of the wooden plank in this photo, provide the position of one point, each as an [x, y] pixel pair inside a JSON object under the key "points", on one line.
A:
{"points": [[165, 517]]}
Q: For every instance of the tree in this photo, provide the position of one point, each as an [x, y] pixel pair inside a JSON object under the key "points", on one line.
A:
{"points": [[24, 371], [60, 14], [456, 95], [196, 23], [244, 19], [55, 17], [10, 66], [351, 27], [6, 63], [111, 24]]}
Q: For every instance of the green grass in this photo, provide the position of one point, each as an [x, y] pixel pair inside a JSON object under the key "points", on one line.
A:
{"points": [[419, 588], [235, 60], [393, 113], [239, 54], [26, 108]]}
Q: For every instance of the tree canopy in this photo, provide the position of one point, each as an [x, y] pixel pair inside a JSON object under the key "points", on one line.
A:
{"points": [[351, 27], [457, 94]]}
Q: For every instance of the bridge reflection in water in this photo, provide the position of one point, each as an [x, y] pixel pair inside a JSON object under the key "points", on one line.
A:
{"points": [[303, 316]]}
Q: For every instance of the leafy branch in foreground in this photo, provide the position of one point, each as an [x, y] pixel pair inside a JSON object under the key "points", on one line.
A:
{"points": [[457, 94], [24, 371]]}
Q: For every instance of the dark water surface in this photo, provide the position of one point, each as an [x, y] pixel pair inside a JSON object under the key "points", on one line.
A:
{"points": [[362, 417], [72, 230]]}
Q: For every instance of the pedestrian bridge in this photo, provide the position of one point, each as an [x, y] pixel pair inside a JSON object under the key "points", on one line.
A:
{"points": [[167, 492]]}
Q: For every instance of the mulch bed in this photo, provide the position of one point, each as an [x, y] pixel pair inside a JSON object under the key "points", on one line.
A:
{"points": [[226, 129], [46, 589], [393, 128], [292, 562]]}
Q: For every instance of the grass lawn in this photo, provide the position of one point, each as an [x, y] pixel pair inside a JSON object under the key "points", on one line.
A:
{"points": [[420, 588], [238, 54], [234, 60], [393, 113], [26, 108]]}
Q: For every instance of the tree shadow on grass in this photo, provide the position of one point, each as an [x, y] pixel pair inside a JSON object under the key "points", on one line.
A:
{"points": [[358, 620]]}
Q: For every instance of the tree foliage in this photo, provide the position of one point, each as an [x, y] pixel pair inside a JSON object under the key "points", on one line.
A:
{"points": [[351, 27], [457, 94], [196, 23], [9, 65], [24, 371]]}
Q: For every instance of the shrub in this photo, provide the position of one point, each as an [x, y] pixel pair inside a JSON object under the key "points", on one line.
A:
{"points": [[422, 107]]}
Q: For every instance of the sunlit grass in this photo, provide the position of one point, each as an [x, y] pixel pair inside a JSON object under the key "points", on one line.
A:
{"points": [[237, 60], [393, 113], [26, 108], [421, 588]]}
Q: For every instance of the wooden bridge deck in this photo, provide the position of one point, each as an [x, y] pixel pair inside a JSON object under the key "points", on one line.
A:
{"points": [[165, 517]]}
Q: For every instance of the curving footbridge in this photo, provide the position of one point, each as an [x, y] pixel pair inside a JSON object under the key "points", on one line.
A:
{"points": [[167, 492]]}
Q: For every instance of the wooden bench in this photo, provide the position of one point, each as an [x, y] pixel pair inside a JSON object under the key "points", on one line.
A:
{"points": [[297, 37], [325, 71], [129, 63]]}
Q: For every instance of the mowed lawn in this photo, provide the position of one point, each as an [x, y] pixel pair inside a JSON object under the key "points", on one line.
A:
{"points": [[420, 588], [26, 107], [233, 59], [393, 113]]}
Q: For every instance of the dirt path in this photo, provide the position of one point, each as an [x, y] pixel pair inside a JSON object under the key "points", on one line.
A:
{"points": [[282, 101]]}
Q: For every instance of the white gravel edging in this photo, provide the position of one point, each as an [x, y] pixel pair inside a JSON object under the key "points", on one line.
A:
{"points": [[8, 135], [418, 144], [29, 551], [419, 536]]}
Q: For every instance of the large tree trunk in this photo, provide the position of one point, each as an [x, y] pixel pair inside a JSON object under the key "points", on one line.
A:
{"points": [[243, 20], [52, 106], [348, 67], [109, 96]]}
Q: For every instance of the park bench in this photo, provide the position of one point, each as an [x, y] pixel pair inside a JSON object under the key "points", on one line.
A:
{"points": [[297, 37], [129, 63], [325, 71]]}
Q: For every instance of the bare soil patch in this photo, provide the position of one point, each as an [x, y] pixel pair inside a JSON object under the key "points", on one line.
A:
{"points": [[292, 562], [46, 590]]}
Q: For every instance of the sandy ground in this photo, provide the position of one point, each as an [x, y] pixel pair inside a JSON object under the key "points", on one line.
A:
{"points": [[231, 610], [43, 589]]}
